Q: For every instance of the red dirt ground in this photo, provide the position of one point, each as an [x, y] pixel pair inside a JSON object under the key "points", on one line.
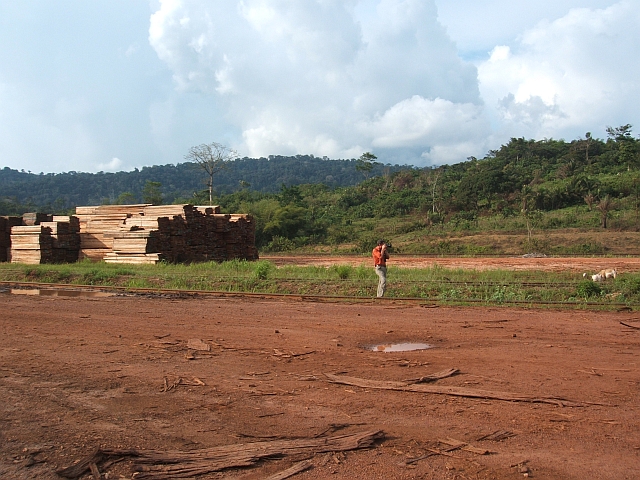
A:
{"points": [[81, 373]]}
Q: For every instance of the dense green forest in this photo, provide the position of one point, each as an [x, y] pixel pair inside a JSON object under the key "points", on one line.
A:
{"points": [[25, 191], [593, 183]]}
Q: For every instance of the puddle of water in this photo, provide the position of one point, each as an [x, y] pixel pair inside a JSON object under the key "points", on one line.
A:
{"points": [[400, 347], [59, 293]]}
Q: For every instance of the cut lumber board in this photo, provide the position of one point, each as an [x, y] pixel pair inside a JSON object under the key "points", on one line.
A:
{"points": [[454, 391], [93, 254], [112, 209], [137, 259]]}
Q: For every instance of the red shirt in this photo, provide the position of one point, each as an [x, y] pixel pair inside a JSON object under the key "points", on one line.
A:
{"points": [[380, 257]]}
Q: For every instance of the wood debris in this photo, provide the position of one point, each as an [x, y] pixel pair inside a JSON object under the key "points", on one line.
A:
{"points": [[637, 327], [454, 391], [159, 465], [451, 446], [194, 382], [434, 376], [291, 471], [497, 436], [197, 344], [452, 442], [281, 354]]}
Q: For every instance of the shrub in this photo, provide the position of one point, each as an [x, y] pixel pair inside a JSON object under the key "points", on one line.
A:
{"points": [[362, 272], [588, 288], [343, 271], [280, 244], [591, 248], [262, 270], [631, 286]]}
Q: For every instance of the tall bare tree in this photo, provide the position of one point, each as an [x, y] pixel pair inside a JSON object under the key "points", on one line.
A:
{"points": [[212, 158]]}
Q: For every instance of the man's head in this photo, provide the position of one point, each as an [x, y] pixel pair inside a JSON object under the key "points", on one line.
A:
{"points": [[380, 242]]}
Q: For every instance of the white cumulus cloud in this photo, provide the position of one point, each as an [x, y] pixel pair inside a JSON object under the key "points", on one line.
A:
{"points": [[414, 81], [567, 76], [318, 77], [112, 166]]}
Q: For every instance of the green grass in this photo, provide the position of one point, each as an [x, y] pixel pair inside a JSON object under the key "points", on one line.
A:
{"points": [[451, 286]]}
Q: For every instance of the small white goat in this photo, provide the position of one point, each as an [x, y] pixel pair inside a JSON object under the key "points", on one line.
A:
{"points": [[602, 275], [608, 273]]}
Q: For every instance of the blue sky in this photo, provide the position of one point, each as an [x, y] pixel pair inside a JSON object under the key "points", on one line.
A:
{"points": [[116, 84]]}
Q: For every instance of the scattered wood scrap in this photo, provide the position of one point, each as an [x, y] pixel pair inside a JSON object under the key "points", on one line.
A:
{"points": [[159, 465], [451, 446], [497, 436], [291, 471], [454, 391], [195, 382], [281, 354], [458, 444], [630, 326], [197, 344], [434, 376]]}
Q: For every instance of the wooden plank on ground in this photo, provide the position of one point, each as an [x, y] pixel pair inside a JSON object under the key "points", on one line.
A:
{"points": [[454, 391]]}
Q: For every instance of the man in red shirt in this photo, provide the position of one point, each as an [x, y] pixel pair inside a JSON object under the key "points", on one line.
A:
{"points": [[380, 257]]}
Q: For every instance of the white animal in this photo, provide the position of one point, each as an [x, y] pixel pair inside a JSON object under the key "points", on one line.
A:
{"points": [[603, 274], [608, 273]]}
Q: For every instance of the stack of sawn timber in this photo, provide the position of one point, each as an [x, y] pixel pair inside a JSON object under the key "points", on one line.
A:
{"points": [[5, 236], [53, 241], [175, 233], [96, 221]]}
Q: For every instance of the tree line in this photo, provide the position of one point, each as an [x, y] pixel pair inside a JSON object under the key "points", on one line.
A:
{"points": [[305, 200], [22, 191]]}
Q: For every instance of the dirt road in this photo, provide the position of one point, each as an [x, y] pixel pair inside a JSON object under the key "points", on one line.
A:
{"points": [[554, 264], [135, 373]]}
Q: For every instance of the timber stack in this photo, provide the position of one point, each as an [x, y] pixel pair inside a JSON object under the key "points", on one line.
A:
{"points": [[96, 221], [147, 234], [5, 236], [138, 234], [54, 241]]}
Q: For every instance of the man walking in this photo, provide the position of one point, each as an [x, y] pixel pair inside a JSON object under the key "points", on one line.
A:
{"points": [[380, 257]]}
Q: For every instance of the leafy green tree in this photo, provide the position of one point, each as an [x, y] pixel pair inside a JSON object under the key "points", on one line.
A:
{"points": [[125, 198], [212, 158], [627, 146], [290, 195], [287, 222], [621, 133], [152, 193], [366, 163]]}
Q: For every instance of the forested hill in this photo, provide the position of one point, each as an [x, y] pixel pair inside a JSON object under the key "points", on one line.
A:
{"points": [[56, 192], [522, 175]]}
